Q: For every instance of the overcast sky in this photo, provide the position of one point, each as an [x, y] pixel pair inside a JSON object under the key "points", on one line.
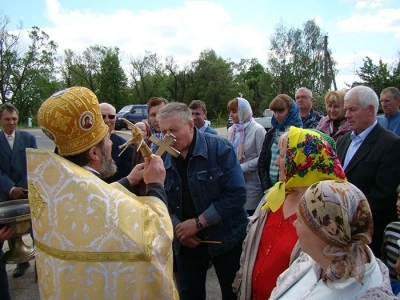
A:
{"points": [[233, 28]]}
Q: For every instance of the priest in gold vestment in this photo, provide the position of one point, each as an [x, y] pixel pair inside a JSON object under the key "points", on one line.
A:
{"points": [[95, 240]]}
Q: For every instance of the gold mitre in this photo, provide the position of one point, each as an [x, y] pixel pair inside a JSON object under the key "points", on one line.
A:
{"points": [[72, 119]]}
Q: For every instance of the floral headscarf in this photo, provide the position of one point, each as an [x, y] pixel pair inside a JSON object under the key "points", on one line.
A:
{"points": [[309, 159], [236, 135], [339, 213]]}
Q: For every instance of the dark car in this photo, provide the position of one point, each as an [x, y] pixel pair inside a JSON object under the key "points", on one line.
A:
{"points": [[134, 113], [229, 123]]}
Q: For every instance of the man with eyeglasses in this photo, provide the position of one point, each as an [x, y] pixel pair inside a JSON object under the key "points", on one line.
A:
{"points": [[123, 162]]}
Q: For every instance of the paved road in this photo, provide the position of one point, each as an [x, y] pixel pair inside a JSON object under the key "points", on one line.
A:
{"points": [[26, 287]]}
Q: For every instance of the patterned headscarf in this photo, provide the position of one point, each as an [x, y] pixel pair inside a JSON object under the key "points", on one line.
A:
{"points": [[309, 159], [236, 135], [292, 119], [339, 213]]}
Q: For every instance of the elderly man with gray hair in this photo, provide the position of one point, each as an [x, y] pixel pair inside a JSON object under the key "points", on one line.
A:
{"points": [[206, 194], [370, 157], [304, 100]]}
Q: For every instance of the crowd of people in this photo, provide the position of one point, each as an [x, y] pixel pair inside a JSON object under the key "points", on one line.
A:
{"points": [[305, 210]]}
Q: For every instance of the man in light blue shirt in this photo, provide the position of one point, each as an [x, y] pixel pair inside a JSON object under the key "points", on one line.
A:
{"points": [[390, 101], [370, 156], [199, 114]]}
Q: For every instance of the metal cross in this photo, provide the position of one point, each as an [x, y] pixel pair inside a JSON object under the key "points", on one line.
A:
{"points": [[165, 145]]}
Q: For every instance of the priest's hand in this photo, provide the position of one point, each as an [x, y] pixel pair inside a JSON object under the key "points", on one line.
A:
{"points": [[154, 170], [136, 174], [19, 193], [5, 233]]}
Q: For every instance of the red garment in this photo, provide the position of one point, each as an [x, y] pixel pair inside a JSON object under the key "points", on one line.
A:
{"points": [[276, 245]]}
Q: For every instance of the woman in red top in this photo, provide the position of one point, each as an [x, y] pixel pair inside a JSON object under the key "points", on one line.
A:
{"points": [[305, 157]]}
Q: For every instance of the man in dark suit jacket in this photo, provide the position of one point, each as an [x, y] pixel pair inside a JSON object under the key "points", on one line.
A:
{"points": [[123, 162], [370, 157], [13, 176]]}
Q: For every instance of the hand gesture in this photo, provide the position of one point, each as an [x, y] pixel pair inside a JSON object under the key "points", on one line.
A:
{"points": [[19, 193]]}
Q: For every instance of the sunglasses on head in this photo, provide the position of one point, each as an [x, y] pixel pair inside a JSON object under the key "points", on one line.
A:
{"points": [[111, 117]]}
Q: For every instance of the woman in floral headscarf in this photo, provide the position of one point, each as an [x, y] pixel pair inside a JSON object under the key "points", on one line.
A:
{"points": [[334, 225], [247, 137], [305, 157]]}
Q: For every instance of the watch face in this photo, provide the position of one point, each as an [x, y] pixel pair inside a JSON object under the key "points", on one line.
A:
{"points": [[199, 225]]}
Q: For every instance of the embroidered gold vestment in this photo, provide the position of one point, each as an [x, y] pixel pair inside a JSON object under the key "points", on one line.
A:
{"points": [[95, 240]]}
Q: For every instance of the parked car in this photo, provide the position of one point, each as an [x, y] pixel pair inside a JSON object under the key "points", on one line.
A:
{"points": [[134, 113], [265, 119]]}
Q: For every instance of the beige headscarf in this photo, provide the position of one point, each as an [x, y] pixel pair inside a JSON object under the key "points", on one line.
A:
{"points": [[339, 213]]}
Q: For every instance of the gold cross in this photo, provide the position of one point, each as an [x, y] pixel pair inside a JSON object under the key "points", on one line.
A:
{"points": [[165, 145]]}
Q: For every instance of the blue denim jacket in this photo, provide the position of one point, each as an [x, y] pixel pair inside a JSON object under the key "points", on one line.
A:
{"points": [[218, 191]]}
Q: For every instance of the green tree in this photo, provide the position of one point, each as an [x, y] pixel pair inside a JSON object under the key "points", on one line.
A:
{"points": [[112, 81], [258, 82], [27, 78], [379, 76], [177, 83], [147, 77], [296, 59], [82, 69], [211, 80]]}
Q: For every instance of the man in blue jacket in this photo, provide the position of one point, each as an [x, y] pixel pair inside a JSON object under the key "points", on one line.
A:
{"points": [[206, 194], [390, 101]]}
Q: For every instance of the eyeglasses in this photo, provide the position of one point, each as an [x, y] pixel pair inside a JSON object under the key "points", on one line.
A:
{"points": [[111, 117]]}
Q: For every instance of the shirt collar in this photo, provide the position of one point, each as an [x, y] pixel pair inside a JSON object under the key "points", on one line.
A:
{"points": [[12, 134], [363, 134], [91, 170], [203, 128]]}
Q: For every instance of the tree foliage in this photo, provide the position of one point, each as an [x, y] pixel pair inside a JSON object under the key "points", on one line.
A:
{"points": [[147, 77], [26, 79], [296, 59], [379, 76], [112, 81]]}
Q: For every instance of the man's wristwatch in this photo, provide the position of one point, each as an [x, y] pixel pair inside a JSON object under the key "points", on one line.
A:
{"points": [[199, 225]]}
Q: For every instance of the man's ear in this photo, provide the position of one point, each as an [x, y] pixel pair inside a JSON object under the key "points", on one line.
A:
{"points": [[371, 110], [191, 124], [93, 153]]}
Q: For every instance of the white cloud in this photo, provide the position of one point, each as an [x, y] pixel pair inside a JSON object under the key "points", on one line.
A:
{"points": [[183, 32], [361, 4], [368, 4], [385, 21]]}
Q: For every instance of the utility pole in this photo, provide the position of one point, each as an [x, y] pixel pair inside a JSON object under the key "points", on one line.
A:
{"points": [[326, 63]]}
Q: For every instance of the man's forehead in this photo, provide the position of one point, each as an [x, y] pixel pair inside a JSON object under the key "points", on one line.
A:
{"points": [[196, 111], [302, 94], [387, 95], [106, 108], [352, 102], [9, 114]]}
